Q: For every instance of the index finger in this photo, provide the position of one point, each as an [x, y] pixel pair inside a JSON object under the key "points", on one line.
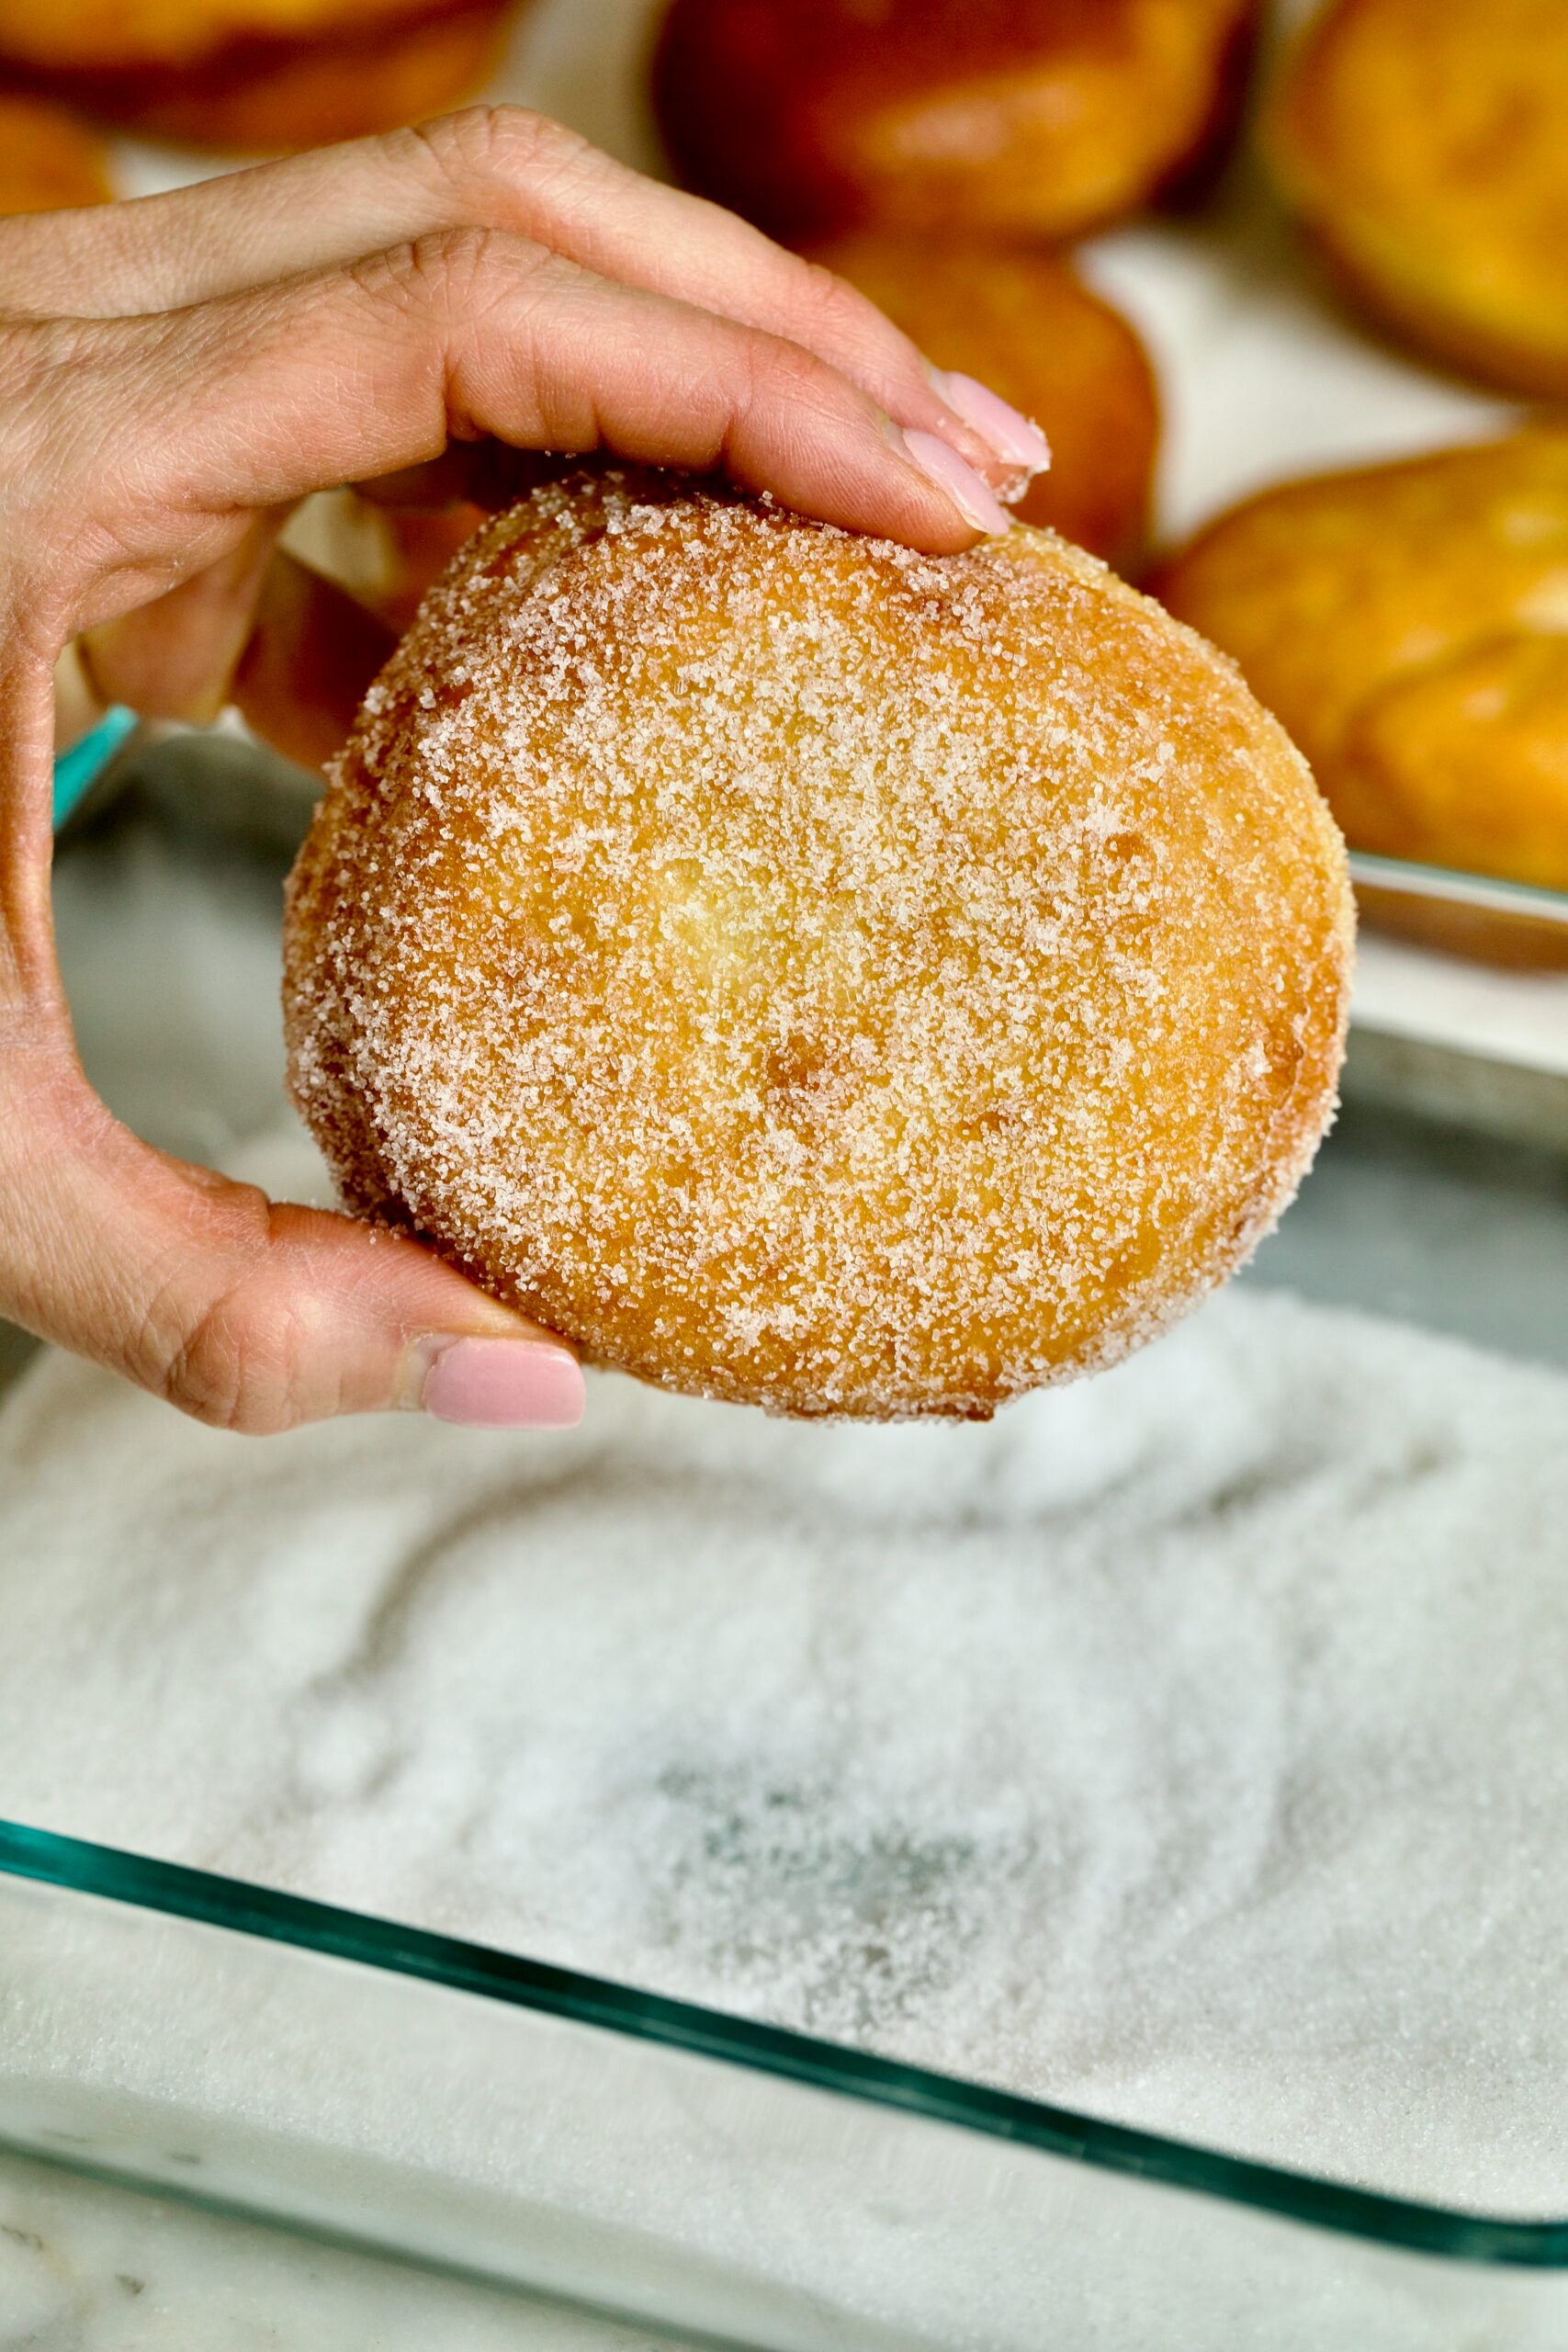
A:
{"points": [[489, 167], [262, 399]]}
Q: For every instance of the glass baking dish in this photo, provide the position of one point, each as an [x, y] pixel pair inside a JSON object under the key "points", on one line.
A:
{"points": [[416, 2125], [1462, 1006], [259, 2069], [1507, 924], [525, 2127]]}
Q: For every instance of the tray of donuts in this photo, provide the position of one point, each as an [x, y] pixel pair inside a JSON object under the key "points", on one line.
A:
{"points": [[1286, 286]]}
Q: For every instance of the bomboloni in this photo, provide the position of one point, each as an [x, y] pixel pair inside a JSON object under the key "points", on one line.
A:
{"points": [[810, 973]]}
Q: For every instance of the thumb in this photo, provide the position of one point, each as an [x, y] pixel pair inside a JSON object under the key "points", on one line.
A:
{"points": [[249, 1315]]}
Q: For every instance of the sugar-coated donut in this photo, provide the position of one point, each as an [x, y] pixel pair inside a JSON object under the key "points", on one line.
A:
{"points": [[811, 973], [1022, 321], [250, 74], [48, 160], [1406, 622], [1425, 143], [1042, 116]]}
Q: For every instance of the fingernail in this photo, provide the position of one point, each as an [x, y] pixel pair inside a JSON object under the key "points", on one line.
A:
{"points": [[956, 481], [1015, 440], [503, 1385]]}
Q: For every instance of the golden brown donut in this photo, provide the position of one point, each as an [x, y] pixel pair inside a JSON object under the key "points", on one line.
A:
{"points": [[175, 33], [811, 973], [246, 75], [47, 160], [1040, 116], [1426, 144], [1464, 762], [1407, 624], [1023, 321]]}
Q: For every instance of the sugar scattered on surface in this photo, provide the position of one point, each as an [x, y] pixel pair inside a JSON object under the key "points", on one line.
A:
{"points": [[1185, 1747]]}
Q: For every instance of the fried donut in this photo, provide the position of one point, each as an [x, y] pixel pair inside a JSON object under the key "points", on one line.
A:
{"points": [[1023, 321], [1406, 622], [1465, 762], [47, 160], [1425, 143], [246, 75], [811, 973], [1042, 116]]}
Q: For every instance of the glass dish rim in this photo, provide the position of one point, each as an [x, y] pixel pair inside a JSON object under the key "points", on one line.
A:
{"points": [[1495, 893], [173, 1889]]}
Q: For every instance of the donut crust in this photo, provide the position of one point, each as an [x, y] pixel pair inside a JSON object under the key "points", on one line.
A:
{"points": [[1425, 144], [1024, 322], [49, 162], [1042, 118], [810, 973], [252, 76], [1409, 623]]}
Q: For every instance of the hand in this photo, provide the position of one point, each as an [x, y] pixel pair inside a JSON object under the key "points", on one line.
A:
{"points": [[174, 373]]}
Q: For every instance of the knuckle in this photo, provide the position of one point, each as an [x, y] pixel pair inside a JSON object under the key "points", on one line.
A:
{"points": [[440, 272], [234, 1364], [446, 297], [758, 372], [834, 305], [485, 142], [398, 277], [228, 1373], [841, 319], [450, 262], [780, 371]]}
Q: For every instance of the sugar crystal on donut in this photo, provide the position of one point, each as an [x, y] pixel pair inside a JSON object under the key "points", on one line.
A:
{"points": [[811, 973]]}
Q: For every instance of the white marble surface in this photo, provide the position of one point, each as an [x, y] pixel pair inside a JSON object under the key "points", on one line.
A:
{"points": [[88, 2267]]}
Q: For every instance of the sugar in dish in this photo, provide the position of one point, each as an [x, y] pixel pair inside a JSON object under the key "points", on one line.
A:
{"points": [[810, 973], [1184, 1746]]}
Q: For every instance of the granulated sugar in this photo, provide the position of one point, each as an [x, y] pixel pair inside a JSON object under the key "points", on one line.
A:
{"points": [[1186, 1746], [808, 973]]}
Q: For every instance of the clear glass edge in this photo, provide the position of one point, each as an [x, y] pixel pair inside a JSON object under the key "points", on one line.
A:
{"points": [[1458, 885], [74, 1866]]}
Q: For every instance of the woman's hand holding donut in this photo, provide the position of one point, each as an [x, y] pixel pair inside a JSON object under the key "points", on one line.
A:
{"points": [[175, 373]]}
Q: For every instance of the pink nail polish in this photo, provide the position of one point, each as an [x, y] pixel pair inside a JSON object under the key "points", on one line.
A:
{"points": [[504, 1384], [956, 481], [1010, 433]]}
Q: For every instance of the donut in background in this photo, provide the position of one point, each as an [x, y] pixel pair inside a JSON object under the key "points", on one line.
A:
{"points": [[1424, 145], [1038, 118], [48, 161], [1024, 322], [253, 74], [1409, 623]]}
